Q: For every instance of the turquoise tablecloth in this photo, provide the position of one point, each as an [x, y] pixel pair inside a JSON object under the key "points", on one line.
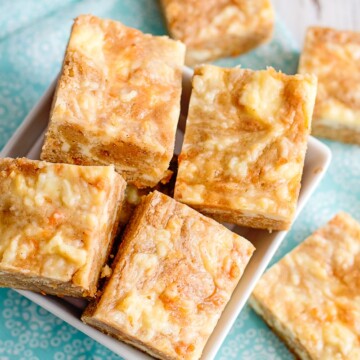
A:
{"points": [[33, 36]]}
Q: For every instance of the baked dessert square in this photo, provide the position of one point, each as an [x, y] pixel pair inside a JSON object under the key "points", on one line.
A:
{"points": [[244, 146], [57, 225], [311, 297], [174, 273], [117, 101], [212, 29], [334, 57]]}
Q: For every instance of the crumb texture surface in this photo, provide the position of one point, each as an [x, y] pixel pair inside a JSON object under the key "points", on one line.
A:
{"points": [[117, 100], [334, 57], [175, 272], [311, 297], [56, 220], [245, 144], [218, 28]]}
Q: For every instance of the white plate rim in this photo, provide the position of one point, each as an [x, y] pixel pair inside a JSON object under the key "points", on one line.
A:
{"points": [[20, 143]]}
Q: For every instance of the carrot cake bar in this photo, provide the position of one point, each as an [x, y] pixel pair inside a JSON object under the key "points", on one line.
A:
{"points": [[117, 101], [334, 57], [245, 143], [212, 29], [311, 297], [174, 273], [57, 224]]}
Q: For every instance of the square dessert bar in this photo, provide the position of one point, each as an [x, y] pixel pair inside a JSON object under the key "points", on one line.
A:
{"points": [[311, 297], [334, 56], [245, 143], [57, 224], [174, 273], [117, 101], [212, 29]]}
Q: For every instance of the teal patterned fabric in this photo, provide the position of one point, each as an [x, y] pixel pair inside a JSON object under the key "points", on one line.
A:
{"points": [[33, 36]]}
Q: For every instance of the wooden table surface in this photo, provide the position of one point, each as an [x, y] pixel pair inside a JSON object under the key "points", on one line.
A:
{"points": [[299, 14]]}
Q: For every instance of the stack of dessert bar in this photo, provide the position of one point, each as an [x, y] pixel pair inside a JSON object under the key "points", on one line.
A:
{"points": [[107, 152], [311, 297]]}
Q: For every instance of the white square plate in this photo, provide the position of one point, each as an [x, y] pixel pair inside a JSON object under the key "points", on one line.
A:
{"points": [[27, 142]]}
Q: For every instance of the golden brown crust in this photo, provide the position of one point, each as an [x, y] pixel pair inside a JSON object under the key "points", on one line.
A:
{"points": [[11, 278], [310, 297], [117, 101], [170, 281], [277, 327], [236, 217], [334, 57], [57, 225], [329, 131], [245, 143], [122, 336], [212, 29]]}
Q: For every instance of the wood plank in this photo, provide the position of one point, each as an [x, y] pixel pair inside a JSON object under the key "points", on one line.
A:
{"points": [[299, 14]]}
